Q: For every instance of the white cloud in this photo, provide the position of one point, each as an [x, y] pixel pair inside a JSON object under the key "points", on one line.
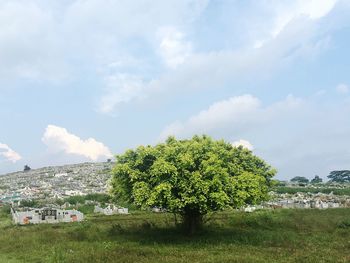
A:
{"points": [[174, 49], [316, 8], [121, 88], [106, 30], [59, 139], [8, 153], [343, 88], [244, 144], [288, 14], [302, 38], [232, 116], [312, 9], [46, 40], [235, 110], [30, 47]]}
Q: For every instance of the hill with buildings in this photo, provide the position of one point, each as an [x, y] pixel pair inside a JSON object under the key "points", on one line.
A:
{"points": [[55, 181]]}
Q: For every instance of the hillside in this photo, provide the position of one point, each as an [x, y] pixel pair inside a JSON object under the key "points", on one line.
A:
{"points": [[56, 181]]}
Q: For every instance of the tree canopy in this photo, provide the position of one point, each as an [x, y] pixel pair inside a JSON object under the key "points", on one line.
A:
{"points": [[191, 177], [316, 180], [26, 168], [300, 179], [342, 176]]}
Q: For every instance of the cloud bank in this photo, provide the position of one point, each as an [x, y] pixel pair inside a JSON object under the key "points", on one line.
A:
{"points": [[343, 88], [58, 139], [9, 154], [174, 49], [232, 116]]}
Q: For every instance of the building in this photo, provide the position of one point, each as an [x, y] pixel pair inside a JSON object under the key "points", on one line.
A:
{"points": [[46, 215], [111, 210]]}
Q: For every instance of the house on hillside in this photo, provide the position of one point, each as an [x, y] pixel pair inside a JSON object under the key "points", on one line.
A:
{"points": [[45, 215]]}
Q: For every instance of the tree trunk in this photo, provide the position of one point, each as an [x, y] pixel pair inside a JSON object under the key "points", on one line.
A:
{"points": [[192, 222]]}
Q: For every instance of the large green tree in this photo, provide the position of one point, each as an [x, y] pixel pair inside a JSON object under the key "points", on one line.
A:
{"points": [[342, 176], [191, 177]]}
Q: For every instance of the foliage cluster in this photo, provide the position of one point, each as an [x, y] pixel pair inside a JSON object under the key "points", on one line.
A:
{"points": [[316, 180], [300, 179], [191, 177], [342, 176], [29, 203]]}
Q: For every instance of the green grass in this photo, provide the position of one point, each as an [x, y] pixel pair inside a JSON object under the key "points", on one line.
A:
{"points": [[264, 236]]}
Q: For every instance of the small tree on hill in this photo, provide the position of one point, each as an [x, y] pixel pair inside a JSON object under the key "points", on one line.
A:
{"points": [[316, 180], [191, 177], [300, 179], [342, 176], [26, 168]]}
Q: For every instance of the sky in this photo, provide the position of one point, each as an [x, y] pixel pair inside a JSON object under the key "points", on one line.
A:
{"points": [[83, 80]]}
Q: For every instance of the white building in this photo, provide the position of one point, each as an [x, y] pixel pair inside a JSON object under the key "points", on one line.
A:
{"points": [[73, 192], [249, 209], [58, 175], [46, 215], [158, 209], [111, 210]]}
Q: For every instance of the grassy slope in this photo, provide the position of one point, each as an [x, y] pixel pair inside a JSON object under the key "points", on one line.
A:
{"points": [[264, 236]]}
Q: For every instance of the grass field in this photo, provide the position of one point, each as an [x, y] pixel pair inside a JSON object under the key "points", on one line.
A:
{"points": [[263, 236]]}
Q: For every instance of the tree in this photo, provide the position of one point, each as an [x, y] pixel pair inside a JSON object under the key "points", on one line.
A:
{"points": [[342, 176], [316, 180], [29, 203], [279, 183], [26, 168], [191, 177], [300, 179]]}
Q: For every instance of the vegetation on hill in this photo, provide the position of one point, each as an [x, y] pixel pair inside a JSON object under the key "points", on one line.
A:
{"points": [[324, 190], [102, 198], [191, 177], [316, 180], [300, 179], [342, 176]]}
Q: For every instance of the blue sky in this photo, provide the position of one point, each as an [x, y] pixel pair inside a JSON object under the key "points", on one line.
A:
{"points": [[84, 80]]}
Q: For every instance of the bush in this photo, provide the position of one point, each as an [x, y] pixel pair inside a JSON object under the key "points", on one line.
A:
{"points": [[344, 224], [102, 198], [86, 209], [5, 210], [29, 203], [115, 229], [75, 199]]}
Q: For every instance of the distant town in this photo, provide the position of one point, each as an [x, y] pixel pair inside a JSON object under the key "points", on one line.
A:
{"points": [[60, 182], [55, 182]]}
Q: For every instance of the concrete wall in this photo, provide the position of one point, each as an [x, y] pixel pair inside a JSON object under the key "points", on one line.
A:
{"points": [[40, 216]]}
